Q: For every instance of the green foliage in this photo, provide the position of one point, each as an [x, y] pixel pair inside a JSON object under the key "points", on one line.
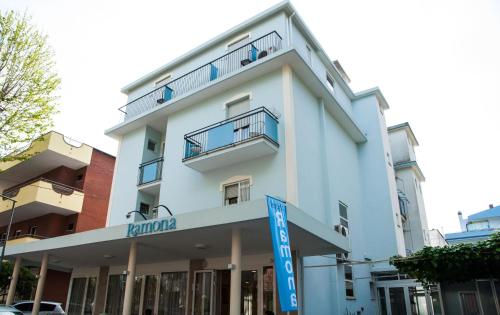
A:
{"points": [[25, 284], [453, 263], [27, 84]]}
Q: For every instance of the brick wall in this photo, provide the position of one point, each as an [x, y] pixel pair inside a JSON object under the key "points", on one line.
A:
{"points": [[56, 286], [97, 188], [49, 225]]}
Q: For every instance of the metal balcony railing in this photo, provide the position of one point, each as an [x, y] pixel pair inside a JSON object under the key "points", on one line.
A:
{"points": [[215, 69], [248, 126], [56, 187], [150, 171]]}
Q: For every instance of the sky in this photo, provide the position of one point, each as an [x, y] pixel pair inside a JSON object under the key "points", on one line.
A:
{"points": [[436, 61]]}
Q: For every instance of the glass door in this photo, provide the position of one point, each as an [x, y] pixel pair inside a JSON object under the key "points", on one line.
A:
{"points": [[203, 293]]}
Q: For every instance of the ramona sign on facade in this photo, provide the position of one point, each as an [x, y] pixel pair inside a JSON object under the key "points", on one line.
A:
{"points": [[151, 227], [282, 254]]}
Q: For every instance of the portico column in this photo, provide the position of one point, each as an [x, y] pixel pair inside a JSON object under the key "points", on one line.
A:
{"points": [[41, 283], [129, 285], [13, 281], [235, 295]]}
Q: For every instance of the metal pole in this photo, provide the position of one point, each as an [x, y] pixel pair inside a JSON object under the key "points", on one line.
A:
{"points": [[8, 229]]}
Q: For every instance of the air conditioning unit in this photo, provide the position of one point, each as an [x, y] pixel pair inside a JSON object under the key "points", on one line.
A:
{"points": [[339, 228]]}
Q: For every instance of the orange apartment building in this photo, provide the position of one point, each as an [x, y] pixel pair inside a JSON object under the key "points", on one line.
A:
{"points": [[62, 188]]}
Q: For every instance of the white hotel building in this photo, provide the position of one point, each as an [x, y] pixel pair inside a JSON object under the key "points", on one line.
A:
{"points": [[259, 110]]}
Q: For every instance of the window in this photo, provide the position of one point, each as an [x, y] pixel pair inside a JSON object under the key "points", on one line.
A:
{"points": [[17, 233], [79, 177], [237, 192], [24, 307], [268, 289], [343, 214], [151, 145], [249, 284], [330, 82], [71, 226], [238, 42], [46, 307], [173, 293], [33, 230], [349, 281], [115, 294], [144, 208], [238, 106]]}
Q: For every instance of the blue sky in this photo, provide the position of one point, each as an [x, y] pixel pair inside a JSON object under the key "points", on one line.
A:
{"points": [[437, 63]]}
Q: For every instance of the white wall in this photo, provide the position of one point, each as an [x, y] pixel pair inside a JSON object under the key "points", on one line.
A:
{"points": [[401, 147], [124, 190], [184, 189]]}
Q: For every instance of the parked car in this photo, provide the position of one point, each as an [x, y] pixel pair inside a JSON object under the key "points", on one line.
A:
{"points": [[46, 308], [9, 310]]}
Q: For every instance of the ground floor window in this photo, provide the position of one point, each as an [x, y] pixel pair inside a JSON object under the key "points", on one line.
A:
{"points": [[249, 283], [114, 297], [82, 296], [349, 282], [173, 287], [268, 290]]}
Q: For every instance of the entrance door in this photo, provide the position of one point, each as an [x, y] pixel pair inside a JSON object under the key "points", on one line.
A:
{"points": [[203, 292]]}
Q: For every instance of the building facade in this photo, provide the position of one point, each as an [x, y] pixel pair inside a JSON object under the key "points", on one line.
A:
{"points": [[258, 111], [61, 188], [477, 227], [408, 179]]}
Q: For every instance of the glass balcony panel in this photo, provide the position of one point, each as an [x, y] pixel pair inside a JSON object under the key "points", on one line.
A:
{"points": [[245, 127], [150, 171]]}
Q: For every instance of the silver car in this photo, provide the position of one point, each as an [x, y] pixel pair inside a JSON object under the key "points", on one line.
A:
{"points": [[46, 308], [9, 310]]}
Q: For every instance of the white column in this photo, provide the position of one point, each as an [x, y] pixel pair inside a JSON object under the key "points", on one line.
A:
{"points": [[129, 285], [41, 283], [13, 281], [235, 295], [292, 190]]}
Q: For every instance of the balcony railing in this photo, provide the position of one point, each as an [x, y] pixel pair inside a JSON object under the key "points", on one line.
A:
{"points": [[220, 67], [55, 186], [23, 238], [258, 123], [150, 171]]}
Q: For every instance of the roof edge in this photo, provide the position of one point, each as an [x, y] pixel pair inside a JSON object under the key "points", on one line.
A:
{"points": [[285, 6], [405, 126]]}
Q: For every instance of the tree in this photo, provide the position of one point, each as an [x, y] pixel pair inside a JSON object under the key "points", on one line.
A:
{"points": [[453, 263], [27, 85], [25, 284]]}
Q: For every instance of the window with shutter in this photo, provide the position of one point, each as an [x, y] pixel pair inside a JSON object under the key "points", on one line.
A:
{"points": [[237, 192]]}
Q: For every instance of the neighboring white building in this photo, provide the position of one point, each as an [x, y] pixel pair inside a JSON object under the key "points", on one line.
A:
{"points": [[259, 110], [408, 179], [436, 238]]}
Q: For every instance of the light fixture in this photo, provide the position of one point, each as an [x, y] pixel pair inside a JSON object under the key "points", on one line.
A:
{"points": [[108, 256], [200, 246]]}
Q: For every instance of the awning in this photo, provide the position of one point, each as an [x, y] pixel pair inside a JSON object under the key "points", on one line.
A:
{"points": [[198, 234]]}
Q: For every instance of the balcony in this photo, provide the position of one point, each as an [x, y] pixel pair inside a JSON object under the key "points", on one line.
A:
{"points": [[21, 239], [44, 154], [40, 197], [241, 138], [206, 74], [150, 175]]}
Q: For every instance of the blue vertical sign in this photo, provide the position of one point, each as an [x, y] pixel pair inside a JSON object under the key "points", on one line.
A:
{"points": [[282, 254]]}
